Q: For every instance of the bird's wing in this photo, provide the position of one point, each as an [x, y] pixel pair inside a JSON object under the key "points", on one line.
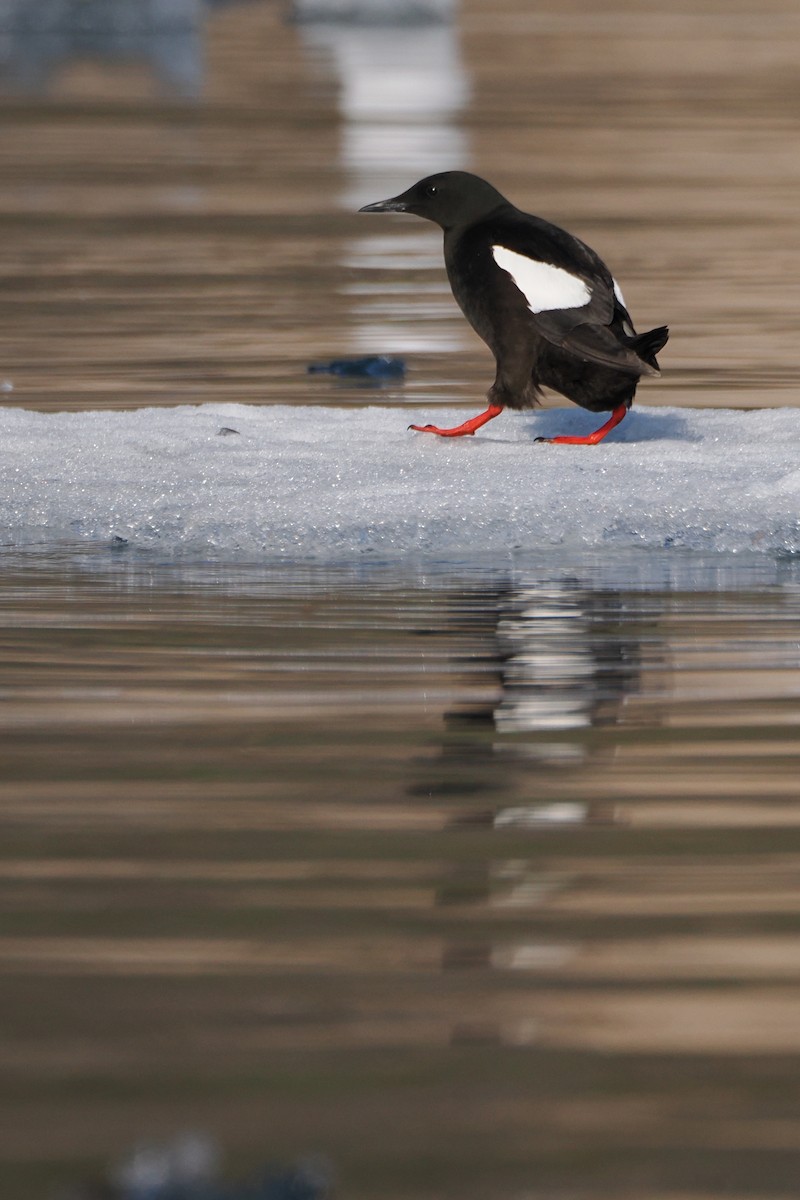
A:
{"points": [[565, 293], [570, 294], [592, 343]]}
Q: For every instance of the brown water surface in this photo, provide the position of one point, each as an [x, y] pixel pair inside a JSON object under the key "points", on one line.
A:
{"points": [[165, 247], [480, 879]]}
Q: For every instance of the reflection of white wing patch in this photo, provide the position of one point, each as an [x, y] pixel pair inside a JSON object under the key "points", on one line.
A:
{"points": [[544, 286]]}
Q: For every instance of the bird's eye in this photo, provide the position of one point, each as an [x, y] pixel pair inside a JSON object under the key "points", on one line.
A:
{"points": [[431, 189]]}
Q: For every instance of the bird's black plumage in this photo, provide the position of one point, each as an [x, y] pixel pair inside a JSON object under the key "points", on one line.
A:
{"points": [[543, 301]]}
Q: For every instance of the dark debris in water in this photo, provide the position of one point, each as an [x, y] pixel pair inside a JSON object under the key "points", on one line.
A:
{"points": [[374, 366]]}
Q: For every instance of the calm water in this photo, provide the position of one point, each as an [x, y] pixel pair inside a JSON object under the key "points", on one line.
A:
{"points": [[478, 878], [179, 224], [481, 881]]}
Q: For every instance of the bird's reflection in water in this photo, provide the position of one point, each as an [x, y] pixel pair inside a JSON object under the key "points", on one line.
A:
{"points": [[564, 661], [564, 666]]}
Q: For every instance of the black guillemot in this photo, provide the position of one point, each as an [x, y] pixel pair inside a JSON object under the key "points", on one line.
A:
{"points": [[546, 304]]}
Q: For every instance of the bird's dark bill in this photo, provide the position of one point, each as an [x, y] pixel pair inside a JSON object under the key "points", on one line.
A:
{"points": [[396, 204]]}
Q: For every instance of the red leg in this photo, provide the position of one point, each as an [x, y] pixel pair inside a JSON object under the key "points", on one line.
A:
{"points": [[469, 426], [590, 439]]}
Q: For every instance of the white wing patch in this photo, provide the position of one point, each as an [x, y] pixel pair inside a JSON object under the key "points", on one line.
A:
{"points": [[627, 328], [544, 286]]}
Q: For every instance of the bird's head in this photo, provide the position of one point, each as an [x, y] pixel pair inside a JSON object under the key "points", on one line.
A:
{"points": [[452, 198]]}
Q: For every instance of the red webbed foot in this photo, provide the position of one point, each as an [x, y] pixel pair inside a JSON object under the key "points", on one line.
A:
{"points": [[591, 439], [467, 428]]}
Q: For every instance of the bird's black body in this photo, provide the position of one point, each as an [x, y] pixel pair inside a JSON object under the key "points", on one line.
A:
{"points": [[543, 301], [583, 353]]}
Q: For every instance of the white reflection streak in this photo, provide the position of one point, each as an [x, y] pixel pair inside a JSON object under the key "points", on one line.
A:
{"points": [[548, 673], [402, 87], [400, 91]]}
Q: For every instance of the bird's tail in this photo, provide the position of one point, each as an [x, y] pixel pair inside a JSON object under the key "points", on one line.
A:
{"points": [[647, 345]]}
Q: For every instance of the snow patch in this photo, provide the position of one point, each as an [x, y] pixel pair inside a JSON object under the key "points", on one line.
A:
{"points": [[329, 484]]}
